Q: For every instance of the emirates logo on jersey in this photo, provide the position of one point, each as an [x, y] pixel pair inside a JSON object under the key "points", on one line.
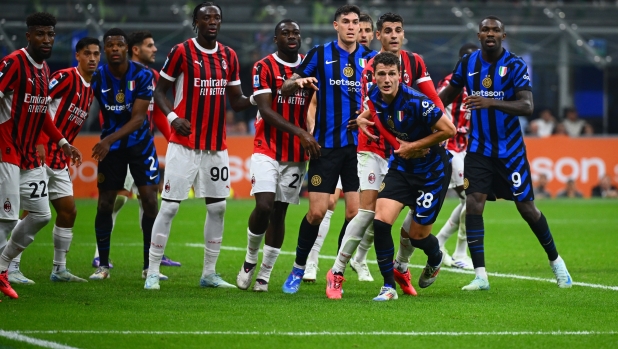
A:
{"points": [[167, 187], [7, 205], [371, 178]]}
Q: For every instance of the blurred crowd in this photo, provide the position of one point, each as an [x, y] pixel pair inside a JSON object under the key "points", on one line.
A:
{"points": [[546, 124]]}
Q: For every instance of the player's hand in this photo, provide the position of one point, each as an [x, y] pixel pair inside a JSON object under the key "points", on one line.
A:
{"points": [[478, 102], [182, 126], [73, 153], [310, 145], [407, 150], [352, 125], [40, 153], [100, 150], [363, 123], [308, 82]]}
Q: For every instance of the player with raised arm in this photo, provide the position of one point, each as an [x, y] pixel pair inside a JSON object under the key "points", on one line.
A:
{"points": [[203, 72], [24, 82], [280, 151], [123, 90], [496, 165], [422, 166], [336, 69]]}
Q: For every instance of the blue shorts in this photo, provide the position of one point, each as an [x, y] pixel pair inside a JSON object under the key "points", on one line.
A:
{"points": [[142, 161]]}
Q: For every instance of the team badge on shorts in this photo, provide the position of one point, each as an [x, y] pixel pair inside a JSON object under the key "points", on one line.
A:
{"points": [[167, 187], [7, 205], [316, 180], [252, 181], [466, 183], [382, 187], [100, 178], [487, 82], [371, 178]]}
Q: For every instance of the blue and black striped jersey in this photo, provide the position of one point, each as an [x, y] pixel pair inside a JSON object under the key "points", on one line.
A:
{"points": [[410, 117], [339, 76], [493, 133], [116, 98]]}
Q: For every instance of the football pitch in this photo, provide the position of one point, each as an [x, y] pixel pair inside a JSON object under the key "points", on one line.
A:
{"points": [[524, 307]]}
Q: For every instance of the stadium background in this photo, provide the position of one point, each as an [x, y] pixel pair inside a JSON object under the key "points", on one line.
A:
{"points": [[571, 47]]}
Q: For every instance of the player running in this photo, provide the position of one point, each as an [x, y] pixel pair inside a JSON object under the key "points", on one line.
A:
{"points": [[123, 90], [372, 164], [24, 82], [499, 90], [419, 171], [336, 68], [280, 151], [203, 72]]}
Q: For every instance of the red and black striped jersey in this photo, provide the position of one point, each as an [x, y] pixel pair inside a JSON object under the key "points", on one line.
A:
{"points": [[201, 77], [23, 107], [460, 117], [155, 115], [70, 100], [269, 75], [413, 70]]}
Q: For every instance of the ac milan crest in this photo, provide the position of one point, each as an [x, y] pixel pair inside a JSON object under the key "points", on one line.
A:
{"points": [[224, 65], [167, 187], [252, 181], [371, 178], [406, 78], [7, 205]]}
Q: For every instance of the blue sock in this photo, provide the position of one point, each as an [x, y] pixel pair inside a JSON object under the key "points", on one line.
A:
{"points": [[103, 225], [307, 235], [385, 251], [475, 229], [541, 230], [431, 246]]}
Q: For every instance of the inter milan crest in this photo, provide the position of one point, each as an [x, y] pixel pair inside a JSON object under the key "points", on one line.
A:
{"points": [[487, 82], [120, 97], [348, 71], [390, 123], [7, 205], [316, 180]]}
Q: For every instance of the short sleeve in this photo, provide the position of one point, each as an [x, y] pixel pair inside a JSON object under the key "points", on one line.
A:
{"points": [[261, 79], [421, 70], [429, 111], [8, 75], [366, 83], [59, 84], [172, 67], [144, 86], [308, 66], [233, 73], [458, 79], [521, 78]]}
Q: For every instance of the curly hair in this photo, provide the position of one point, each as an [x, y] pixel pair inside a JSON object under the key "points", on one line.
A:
{"points": [[41, 19]]}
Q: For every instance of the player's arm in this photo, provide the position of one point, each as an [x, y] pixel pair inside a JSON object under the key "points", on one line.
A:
{"points": [[50, 129], [448, 94], [444, 129], [180, 124], [161, 122], [313, 108], [238, 101], [521, 106], [295, 82]]}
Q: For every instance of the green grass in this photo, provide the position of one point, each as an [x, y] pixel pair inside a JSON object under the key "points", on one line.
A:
{"points": [[585, 232]]}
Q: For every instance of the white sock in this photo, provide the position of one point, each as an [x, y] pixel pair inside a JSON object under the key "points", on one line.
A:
{"points": [[462, 239], [354, 233], [451, 225], [403, 254], [480, 272], [365, 245], [5, 230], [269, 257], [22, 237], [213, 235], [554, 262], [322, 232], [161, 231], [14, 264], [62, 243], [253, 247]]}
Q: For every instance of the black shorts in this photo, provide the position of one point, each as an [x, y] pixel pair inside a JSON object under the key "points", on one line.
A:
{"points": [[423, 193], [324, 172], [508, 178], [141, 159]]}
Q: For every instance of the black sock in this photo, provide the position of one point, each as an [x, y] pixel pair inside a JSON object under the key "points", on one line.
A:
{"points": [[541, 230], [307, 234], [431, 246], [248, 266], [342, 233], [147, 224], [103, 225], [475, 229], [385, 251]]}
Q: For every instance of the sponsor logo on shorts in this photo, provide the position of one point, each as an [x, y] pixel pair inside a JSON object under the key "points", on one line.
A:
{"points": [[371, 178], [466, 183], [100, 178], [382, 187], [316, 180], [7, 205], [167, 187]]}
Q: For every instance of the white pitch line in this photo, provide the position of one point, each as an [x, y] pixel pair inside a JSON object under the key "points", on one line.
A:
{"points": [[329, 333], [16, 336]]}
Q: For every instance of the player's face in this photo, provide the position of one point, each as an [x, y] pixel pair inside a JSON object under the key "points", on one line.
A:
{"points": [[88, 58], [288, 38], [365, 35], [387, 78], [208, 22], [41, 40], [491, 35], [116, 49], [146, 51], [391, 36], [347, 28]]}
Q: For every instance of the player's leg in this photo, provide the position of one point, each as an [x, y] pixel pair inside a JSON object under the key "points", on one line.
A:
{"points": [[403, 276], [460, 255], [272, 246], [387, 210], [350, 184], [9, 192]]}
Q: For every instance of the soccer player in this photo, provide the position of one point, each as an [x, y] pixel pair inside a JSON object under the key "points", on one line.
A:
{"points": [[499, 90], [142, 50], [24, 82], [336, 68], [365, 34], [123, 90], [419, 171], [203, 72], [280, 151], [372, 164], [457, 147]]}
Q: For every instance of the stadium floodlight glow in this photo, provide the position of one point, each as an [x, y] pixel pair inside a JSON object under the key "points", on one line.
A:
{"points": [[608, 59], [574, 26]]}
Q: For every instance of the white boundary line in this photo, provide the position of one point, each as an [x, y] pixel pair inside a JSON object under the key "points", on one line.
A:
{"points": [[328, 333], [17, 336]]}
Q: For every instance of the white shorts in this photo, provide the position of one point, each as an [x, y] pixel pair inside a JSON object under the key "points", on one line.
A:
{"points": [[339, 185], [60, 184], [282, 178], [457, 163], [129, 183], [9, 191], [34, 190], [371, 170], [208, 171]]}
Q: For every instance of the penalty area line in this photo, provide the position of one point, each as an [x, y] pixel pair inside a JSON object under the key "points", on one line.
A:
{"points": [[18, 337]]}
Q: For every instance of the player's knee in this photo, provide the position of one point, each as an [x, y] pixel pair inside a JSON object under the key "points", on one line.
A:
{"points": [[315, 215], [169, 209], [216, 209], [264, 208], [105, 206], [528, 211], [474, 205], [67, 215]]}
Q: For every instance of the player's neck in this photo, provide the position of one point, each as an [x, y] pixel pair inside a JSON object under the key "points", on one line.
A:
{"points": [[85, 75], [347, 47], [207, 44], [288, 57], [136, 60], [492, 56], [118, 70], [34, 56]]}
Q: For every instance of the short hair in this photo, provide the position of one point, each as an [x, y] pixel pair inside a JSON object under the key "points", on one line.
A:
{"points": [[115, 32], [87, 41], [137, 38], [345, 9], [388, 17], [287, 20], [467, 47], [386, 58], [365, 17], [41, 19], [197, 9], [495, 18]]}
